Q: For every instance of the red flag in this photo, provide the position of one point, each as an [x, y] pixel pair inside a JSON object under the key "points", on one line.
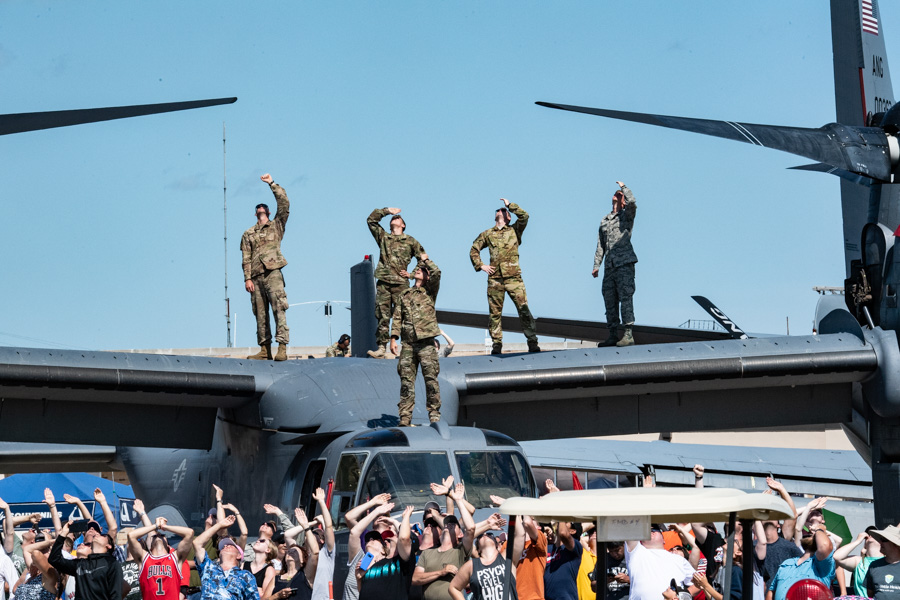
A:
{"points": [[576, 485]]}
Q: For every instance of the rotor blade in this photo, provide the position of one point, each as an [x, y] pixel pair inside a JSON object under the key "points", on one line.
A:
{"points": [[843, 174], [862, 150], [21, 122], [723, 319]]}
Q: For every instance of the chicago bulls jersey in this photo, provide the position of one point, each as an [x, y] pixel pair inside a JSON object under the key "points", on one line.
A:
{"points": [[160, 577]]}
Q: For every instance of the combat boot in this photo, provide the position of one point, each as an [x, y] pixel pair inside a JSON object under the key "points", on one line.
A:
{"points": [[382, 350], [612, 340], [627, 339], [533, 346], [405, 422], [497, 348], [265, 353], [282, 352], [434, 417]]}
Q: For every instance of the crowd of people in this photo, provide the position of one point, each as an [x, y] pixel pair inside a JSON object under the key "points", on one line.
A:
{"points": [[444, 554]]}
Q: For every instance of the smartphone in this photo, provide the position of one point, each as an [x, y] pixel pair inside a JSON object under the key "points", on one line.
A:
{"points": [[366, 561]]}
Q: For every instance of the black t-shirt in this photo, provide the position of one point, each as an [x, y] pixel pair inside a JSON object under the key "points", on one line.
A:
{"points": [[883, 580], [614, 589], [708, 547], [776, 553], [388, 579], [298, 582], [131, 571]]}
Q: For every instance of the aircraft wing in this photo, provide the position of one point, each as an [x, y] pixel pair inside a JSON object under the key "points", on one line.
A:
{"points": [[21, 122], [589, 331], [71, 397], [861, 150], [698, 386]]}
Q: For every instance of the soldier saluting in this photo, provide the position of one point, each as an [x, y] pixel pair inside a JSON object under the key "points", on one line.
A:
{"points": [[262, 262], [614, 244], [397, 250], [418, 328], [504, 273]]}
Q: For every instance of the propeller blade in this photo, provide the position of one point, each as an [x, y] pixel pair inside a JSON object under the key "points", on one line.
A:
{"points": [[21, 122], [861, 150], [724, 320]]}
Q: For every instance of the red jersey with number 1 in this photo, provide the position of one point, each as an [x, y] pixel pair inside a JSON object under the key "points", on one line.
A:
{"points": [[160, 577]]}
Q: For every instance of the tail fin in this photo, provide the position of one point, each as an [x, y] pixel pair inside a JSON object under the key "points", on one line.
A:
{"points": [[362, 307], [862, 90]]}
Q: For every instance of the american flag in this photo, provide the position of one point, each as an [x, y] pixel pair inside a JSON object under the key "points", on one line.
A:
{"points": [[869, 18]]}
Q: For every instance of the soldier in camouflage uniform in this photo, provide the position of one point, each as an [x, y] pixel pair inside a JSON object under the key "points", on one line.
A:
{"points": [[504, 274], [614, 244], [340, 349], [418, 328], [262, 262], [392, 278]]}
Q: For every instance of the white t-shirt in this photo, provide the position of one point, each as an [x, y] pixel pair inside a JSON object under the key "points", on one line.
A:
{"points": [[324, 573], [8, 574], [652, 571]]}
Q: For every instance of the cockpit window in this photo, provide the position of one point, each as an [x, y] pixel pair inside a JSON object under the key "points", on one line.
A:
{"points": [[407, 476], [504, 474]]}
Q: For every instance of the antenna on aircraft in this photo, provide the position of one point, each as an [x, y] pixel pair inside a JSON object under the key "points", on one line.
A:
{"points": [[228, 340]]}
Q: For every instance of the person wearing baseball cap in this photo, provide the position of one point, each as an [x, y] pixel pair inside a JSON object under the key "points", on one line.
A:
{"points": [[238, 584], [437, 566], [815, 563], [883, 577]]}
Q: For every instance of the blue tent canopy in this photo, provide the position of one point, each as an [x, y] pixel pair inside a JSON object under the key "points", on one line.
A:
{"points": [[25, 494]]}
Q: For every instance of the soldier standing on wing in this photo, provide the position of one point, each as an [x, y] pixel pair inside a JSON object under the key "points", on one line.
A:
{"points": [[397, 250], [504, 273], [614, 244], [262, 262]]}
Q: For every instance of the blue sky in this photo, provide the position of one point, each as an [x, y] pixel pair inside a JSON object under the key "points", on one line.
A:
{"points": [[114, 230]]}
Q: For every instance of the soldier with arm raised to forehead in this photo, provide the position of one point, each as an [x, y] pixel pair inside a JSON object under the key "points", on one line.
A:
{"points": [[504, 273], [262, 262], [397, 250], [614, 244], [418, 328]]}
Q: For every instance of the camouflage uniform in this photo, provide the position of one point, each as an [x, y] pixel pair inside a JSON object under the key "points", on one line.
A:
{"points": [[335, 350], [507, 278], [396, 253], [614, 243], [262, 261], [418, 328]]}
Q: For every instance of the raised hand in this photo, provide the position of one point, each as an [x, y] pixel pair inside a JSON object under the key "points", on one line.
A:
{"points": [[48, 497], [161, 522], [818, 503], [139, 506], [319, 495], [408, 511], [698, 471], [267, 178], [218, 491], [439, 489], [231, 507], [497, 500], [98, 495], [382, 498], [68, 498], [423, 257], [301, 516], [394, 211], [551, 487], [271, 509], [384, 509], [620, 184], [774, 485], [228, 521], [505, 202], [459, 490]]}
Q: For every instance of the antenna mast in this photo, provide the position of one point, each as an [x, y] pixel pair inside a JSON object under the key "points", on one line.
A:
{"points": [[228, 342]]}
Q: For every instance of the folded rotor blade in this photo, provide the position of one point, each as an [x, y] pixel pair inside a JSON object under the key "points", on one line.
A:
{"points": [[843, 174], [21, 122], [861, 150]]}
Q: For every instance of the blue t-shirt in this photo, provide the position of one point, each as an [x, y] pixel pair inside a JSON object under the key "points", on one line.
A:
{"points": [[561, 574], [238, 584], [790, 573]]}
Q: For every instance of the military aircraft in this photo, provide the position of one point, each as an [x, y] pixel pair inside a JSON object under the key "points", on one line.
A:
{"points": [[272, 432]]}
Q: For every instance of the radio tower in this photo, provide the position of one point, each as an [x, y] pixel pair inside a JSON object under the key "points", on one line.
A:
{"points": [[228, 342]]}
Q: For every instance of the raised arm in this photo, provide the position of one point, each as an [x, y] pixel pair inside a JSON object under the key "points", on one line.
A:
{"points": [[824, 546], [353, 515], [521, 217], [684, 532], [434, 277], [312, 563], [50, 501], [201, 540], [404, 540], [842, 555], [357, 530], [220, 508], [185, 533], [804, 514], [630, 202], [112, 527], [698, 476], [137, 552], [63, 565], [327, 524], [281, 199], [778, 487], [242, 525], [374, 222], [139, 508], [761, 544], [8, 527], [467, 522], [79, 504]]}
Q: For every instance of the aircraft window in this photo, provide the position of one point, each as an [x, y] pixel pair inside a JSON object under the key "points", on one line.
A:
{"points": [[492, 438], [376, 439], [346, 482], [502, 473], [405, 475]]}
